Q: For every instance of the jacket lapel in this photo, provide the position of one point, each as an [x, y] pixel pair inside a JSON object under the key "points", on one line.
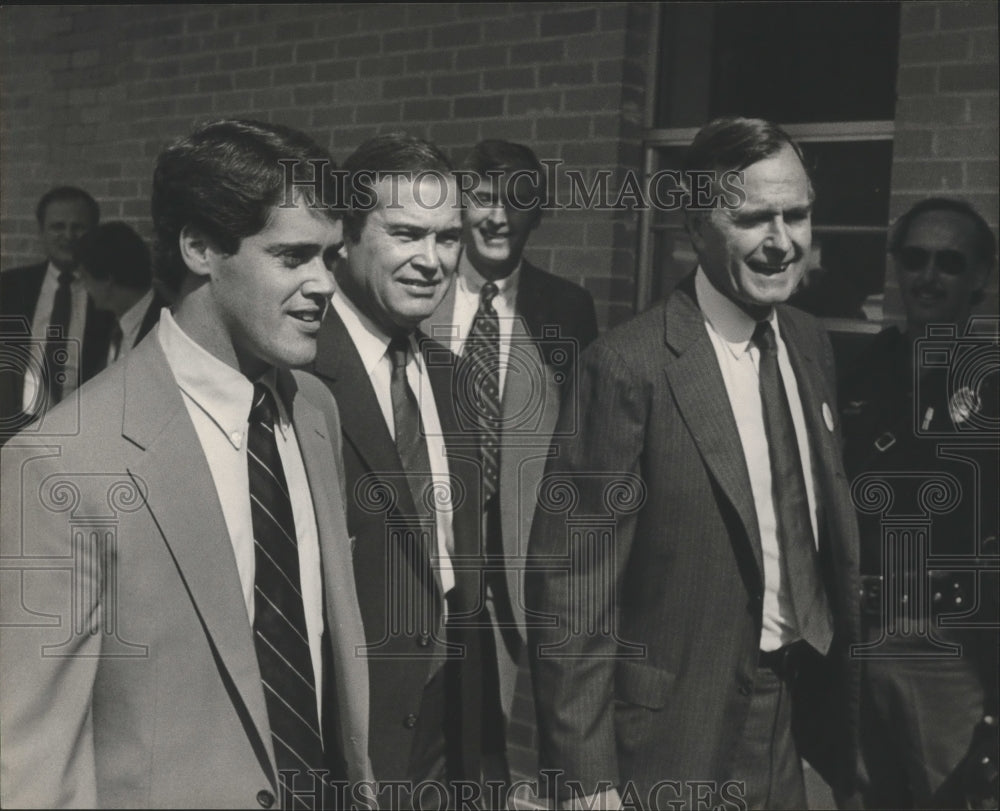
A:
{"points": [[700, 393], [182, 502]]}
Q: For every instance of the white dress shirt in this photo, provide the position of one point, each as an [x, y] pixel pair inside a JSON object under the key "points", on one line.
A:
{"points": [[39, 328], [130, 324], [730, 330], [219, 398], [468, 287], [372, 344]]}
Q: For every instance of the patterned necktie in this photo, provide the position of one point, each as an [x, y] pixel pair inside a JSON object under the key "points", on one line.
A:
{"points": [[483, 378], [802, 581], [279, 623], [410, 440], [56, 344]]}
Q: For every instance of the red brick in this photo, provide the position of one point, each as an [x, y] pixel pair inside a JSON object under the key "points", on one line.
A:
{"points": [[231, 103], [455, 132], [407, 87], [967, 14], [537, 52], [926, 175], [984, 109], [372, 66], [332, 71], [454, 83], [513, 29], [405, 41], [362, 45], [293, 75], [430, 60], [237, 16], [295, 30], [378, 113], [984, 44], [969, 78], [610, 71], [564, 23], [313, 51], [427, 110], [478, 106], [215, 82], [597, 97], [273, 98], [312, 95], [934, 48], [274, 55], [510, 129], [194, 105], [235, 60], [545, 102], [258, 35], [217, 41], [980, 142], [164, 70], [456, 35], [563, 128], [489, 56], [252, 79], [916, 81], [590, 153], [512, 78], [613, 16], [933, 110], [918, 18], [595, 46], [566, 74], [982, 175]]}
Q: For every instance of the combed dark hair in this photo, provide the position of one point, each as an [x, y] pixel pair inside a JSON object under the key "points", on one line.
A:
{"points": [[225, 178], [733, 144], [496, 155], [986, 243], [388, 154], [61, 194], [114, 251]]}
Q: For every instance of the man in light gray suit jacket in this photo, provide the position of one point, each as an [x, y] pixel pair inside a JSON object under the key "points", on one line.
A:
{"points": [[701, 618], [178, 606]]}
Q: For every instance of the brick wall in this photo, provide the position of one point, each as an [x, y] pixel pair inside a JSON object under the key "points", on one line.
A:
{"points": [[946, 138], [91, 94]]}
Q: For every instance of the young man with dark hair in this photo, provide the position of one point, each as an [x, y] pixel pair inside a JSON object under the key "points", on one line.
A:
{"points": [[48, 315], [117, 271], [204, 653], [696, 538], [519, 331]]}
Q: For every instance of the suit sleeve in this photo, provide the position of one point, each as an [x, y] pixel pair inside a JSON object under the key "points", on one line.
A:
{"points": [[47, 665], [571, 623]]}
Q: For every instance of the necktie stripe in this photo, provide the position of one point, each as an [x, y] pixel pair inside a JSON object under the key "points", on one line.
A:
{"points": [[281, 636], [483, 375]]}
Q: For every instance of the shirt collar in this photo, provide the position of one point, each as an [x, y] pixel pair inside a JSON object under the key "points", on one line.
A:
{"points": [[370, 341], [52, 271], [132, 319], [471, 281], [219, 390], [727, 320]]}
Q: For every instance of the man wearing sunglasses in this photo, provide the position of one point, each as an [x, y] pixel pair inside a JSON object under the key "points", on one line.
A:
{"points": [[922, 413]]}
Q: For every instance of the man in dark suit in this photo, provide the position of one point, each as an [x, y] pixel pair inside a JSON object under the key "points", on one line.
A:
{"points": [[411, 470], [696, 540], [118, 274], [51, 295], [203, 654], [543, 322]]}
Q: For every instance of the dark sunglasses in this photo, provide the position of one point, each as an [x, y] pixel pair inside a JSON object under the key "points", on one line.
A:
{"points": [[950, 262]]}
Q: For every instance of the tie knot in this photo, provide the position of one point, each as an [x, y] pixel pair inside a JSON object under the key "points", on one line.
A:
{"points": [[66, 278], [399, 347], [763, 337], [487, 294], [263, 408]]}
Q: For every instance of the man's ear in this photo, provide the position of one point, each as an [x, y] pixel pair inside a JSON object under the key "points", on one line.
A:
{"points": [[695, 223], [196, 251]]}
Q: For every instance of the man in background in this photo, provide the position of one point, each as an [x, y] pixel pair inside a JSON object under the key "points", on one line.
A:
{"points": [[48, 314], [118, 274], [519, 331], [913, 418]]}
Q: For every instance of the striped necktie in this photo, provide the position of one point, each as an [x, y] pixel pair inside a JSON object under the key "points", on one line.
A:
{"points": [[279, 624], [483, 381]]}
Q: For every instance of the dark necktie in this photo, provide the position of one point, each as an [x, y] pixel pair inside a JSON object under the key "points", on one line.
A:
{"points": [[801, 575], [410, 439], [279, 623], [483, 379], [56, 344], [116, 342]]}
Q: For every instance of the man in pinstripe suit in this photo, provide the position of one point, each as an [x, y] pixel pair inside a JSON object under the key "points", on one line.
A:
{"points": [[711, 648]]}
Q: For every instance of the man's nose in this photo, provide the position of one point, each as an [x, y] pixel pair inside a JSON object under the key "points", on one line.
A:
{"points": [[427, 255], [778, 238]]}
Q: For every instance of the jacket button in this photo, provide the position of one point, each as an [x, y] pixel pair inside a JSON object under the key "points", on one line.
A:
{"points": [[410, 721], [265, 798], [424, 640]]}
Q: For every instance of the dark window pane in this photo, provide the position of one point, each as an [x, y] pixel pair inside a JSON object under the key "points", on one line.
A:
{"points": [[851, 180], [798, 62]]}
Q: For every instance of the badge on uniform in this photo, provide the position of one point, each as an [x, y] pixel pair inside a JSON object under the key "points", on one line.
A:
{"points": [[827, 417]]}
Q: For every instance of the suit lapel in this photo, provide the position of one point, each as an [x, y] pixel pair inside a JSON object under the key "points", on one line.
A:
{"points": [[530, 299], [700, 393], [440, 325], [182, 502]]}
